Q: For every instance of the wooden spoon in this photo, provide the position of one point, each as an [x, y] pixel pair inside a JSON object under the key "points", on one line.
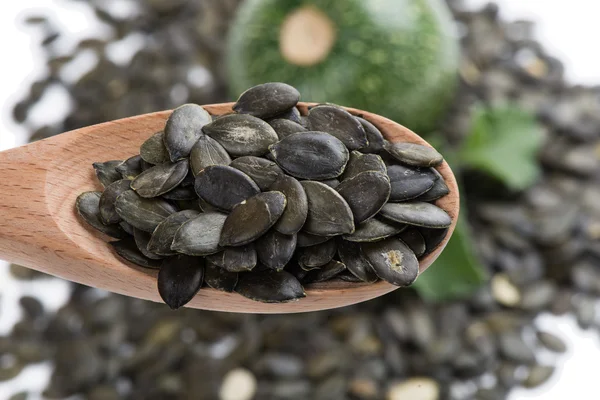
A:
{"points": [[40, 229]]}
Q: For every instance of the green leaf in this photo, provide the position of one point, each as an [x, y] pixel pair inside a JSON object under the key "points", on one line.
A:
{"points": [[457, 272], [504, 142]]}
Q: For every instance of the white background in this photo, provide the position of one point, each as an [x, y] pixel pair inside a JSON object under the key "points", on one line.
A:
{"points": [[569, 29]]}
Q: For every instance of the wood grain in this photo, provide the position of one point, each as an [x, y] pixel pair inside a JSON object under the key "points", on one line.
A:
{"points": [[40, 229]]}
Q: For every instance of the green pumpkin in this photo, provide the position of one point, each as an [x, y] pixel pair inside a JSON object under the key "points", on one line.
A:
{"points": [[397, 58]]}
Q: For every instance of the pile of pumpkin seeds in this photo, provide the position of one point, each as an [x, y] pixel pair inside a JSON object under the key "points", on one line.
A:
{"points": [[263, 200]]}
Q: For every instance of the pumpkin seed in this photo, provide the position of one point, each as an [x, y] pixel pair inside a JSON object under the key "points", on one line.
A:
{"points": [[154, 151], [413, 239], [293, 114], [199, 236], [359, 162], [373, 230], [296, 210], [162, 237], [252, 218], [263, 172], [205, 207], [294, 268], [107, 172], [318, 255], [340, 123], [128, 250], [130, 168], [311, 155], [179, 279], [393, 261], [366, 194], [417, 213], [267, 100], [181, 193], [352, 256], [270, 286], [332, 183], [284, 127], [127, 227], [328, 212], [433, 238], [108, 214], [88, 208], [348, 276], [183, 129], [306, 239], [242, 135], [374, 137], [438, 190], [235, 259], [408, 183], [219, 279], [160, 179], [325, 273], [206, 152], [142, 213], [141, 240], [223, 186], [414, 154], [275, 249]]}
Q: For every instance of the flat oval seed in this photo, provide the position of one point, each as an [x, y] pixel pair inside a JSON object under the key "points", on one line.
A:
{"points": [[252, 218], [142, 213], [183, 129], [366, 194], [179, 279], [311, 155], [417, 213], [413, 239], [242, 135], [292, 114], [296, 210], [339, 123], [163, 235], [408, 183], [437, 191], [108, 214], [107, 172], [414, 154], [160, 179], [332, 183], [270, 286], [128, 250], [206, 152], [200, 236], [284, 127], [126, 227], [433, 237], [267, 100], [223, 186], [141, 240], [294, 268], [153, 150], [181, 193], [355, 261], [262, 171], [130, 168], [235, 259], [219, 279], [306, 239], [359, 163], [325, 273], [373, 230], [393, 261], [318, 255], [374, 137], [328, 212], [348, 276], [275, 249], [88, 208]]}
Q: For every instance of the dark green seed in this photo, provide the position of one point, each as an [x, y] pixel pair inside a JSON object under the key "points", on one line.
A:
{"points": [[393, 261], [235, 259], [205, 207], [318, 255], [358, 163], [108, 214], [439, 189], [366, 194], [153, 150], [311, 155], [88, 208], [551, 342], [141, 240], [433, 237], [127, 227], [294, 268], [270, 286], [223, 186], [107, 172], [538, 375], [242, 135], [131, 167], [160, 179], [219, 279], [328, 213], [267, 100], [284, 127], [181, 193], [128, 250], [413, 239], [414, 154], [332, 183], [417, 213], [349, 276], [374, 230], [296, 210], [206, 152], [163, 235], [352, 256], [275, 250], [200, 236], [263, 172], [183, 129], [409, 183], [325, 273], [293, 114], [142, 213], [339, 123], [252, 218], [306, 239], [374, 137], [179, 279]]}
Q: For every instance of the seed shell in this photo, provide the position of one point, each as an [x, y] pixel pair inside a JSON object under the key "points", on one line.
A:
{"points": [[162, 237], [183, 129], [437, 191], [352, 256], [417, 213], [107, 172], [141, 240], [179, 279], [292, 114], [127, 249], [306, 239], [328, 213], [219, 279], [206, 152], [325, 273], [270, 286], [374, 137], [413, 239], [267, 100], [88, 208], [108, 214], [160, 179], [366, 194], [393, 261], [130, 168], [235, 259], [433, 238], [263, 172], [223, 186], [414, 154], [359, 163], [340, 123], [374, 230], [296, 210], [143, 213], [318, 255], [275, 250], [200, 236], [181, 193], [284, 127], [408, 183], [242, 135], [153, 150]]}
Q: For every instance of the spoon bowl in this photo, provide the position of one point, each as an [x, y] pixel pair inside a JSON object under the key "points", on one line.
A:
{"points": [[40, 228]]}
